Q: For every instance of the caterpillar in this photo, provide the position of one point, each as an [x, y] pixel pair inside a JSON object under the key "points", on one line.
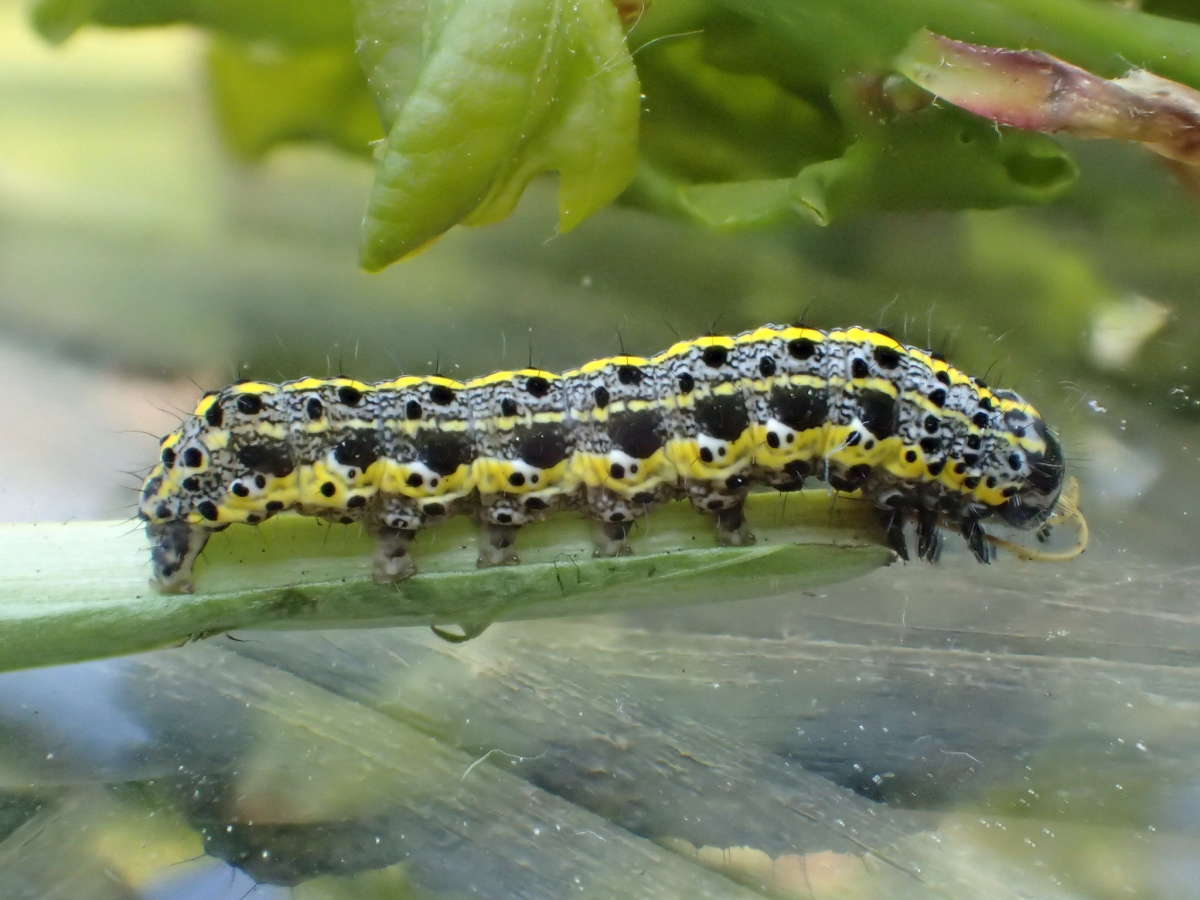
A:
{"points": [[707, 419]]}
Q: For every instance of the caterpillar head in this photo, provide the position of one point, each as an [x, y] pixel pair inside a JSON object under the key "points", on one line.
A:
{"points": [[1036, 499]]}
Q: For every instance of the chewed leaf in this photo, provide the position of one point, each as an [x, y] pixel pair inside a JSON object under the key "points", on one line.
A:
{"points": [[927, 159], [478, 96], [1036, 91], [933, 159]]}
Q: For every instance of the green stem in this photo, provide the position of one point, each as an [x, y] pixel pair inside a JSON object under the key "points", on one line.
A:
{"points": [[79, 591], [1103, 37]]}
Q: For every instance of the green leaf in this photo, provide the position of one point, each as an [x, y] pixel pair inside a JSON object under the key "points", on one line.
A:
{"points": [[297, 573], [711, 115], [737, 204], [481, 95], [832, 37], [762, 110], [57, 20], [291, 23], [934, 159], [263, 98], [755, 111]]}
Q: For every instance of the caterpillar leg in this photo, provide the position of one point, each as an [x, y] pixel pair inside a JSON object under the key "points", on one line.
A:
{"points": [[613, 539], [726, 501], [496, 546], [392, 562], [500, 515], [929, 536], [174, 547], [398, 522], [616, 516], [791, 478], [977, 539], [732, 529], [894, 521]]}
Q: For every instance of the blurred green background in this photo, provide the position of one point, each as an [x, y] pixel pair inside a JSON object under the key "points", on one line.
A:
{"points": [[142, 259]]}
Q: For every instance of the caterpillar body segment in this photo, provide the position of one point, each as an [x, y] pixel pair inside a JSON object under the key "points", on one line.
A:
{"points": [[707, 419]]}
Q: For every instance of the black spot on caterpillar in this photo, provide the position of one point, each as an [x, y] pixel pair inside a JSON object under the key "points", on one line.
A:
{"points": [[708, 419]]}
